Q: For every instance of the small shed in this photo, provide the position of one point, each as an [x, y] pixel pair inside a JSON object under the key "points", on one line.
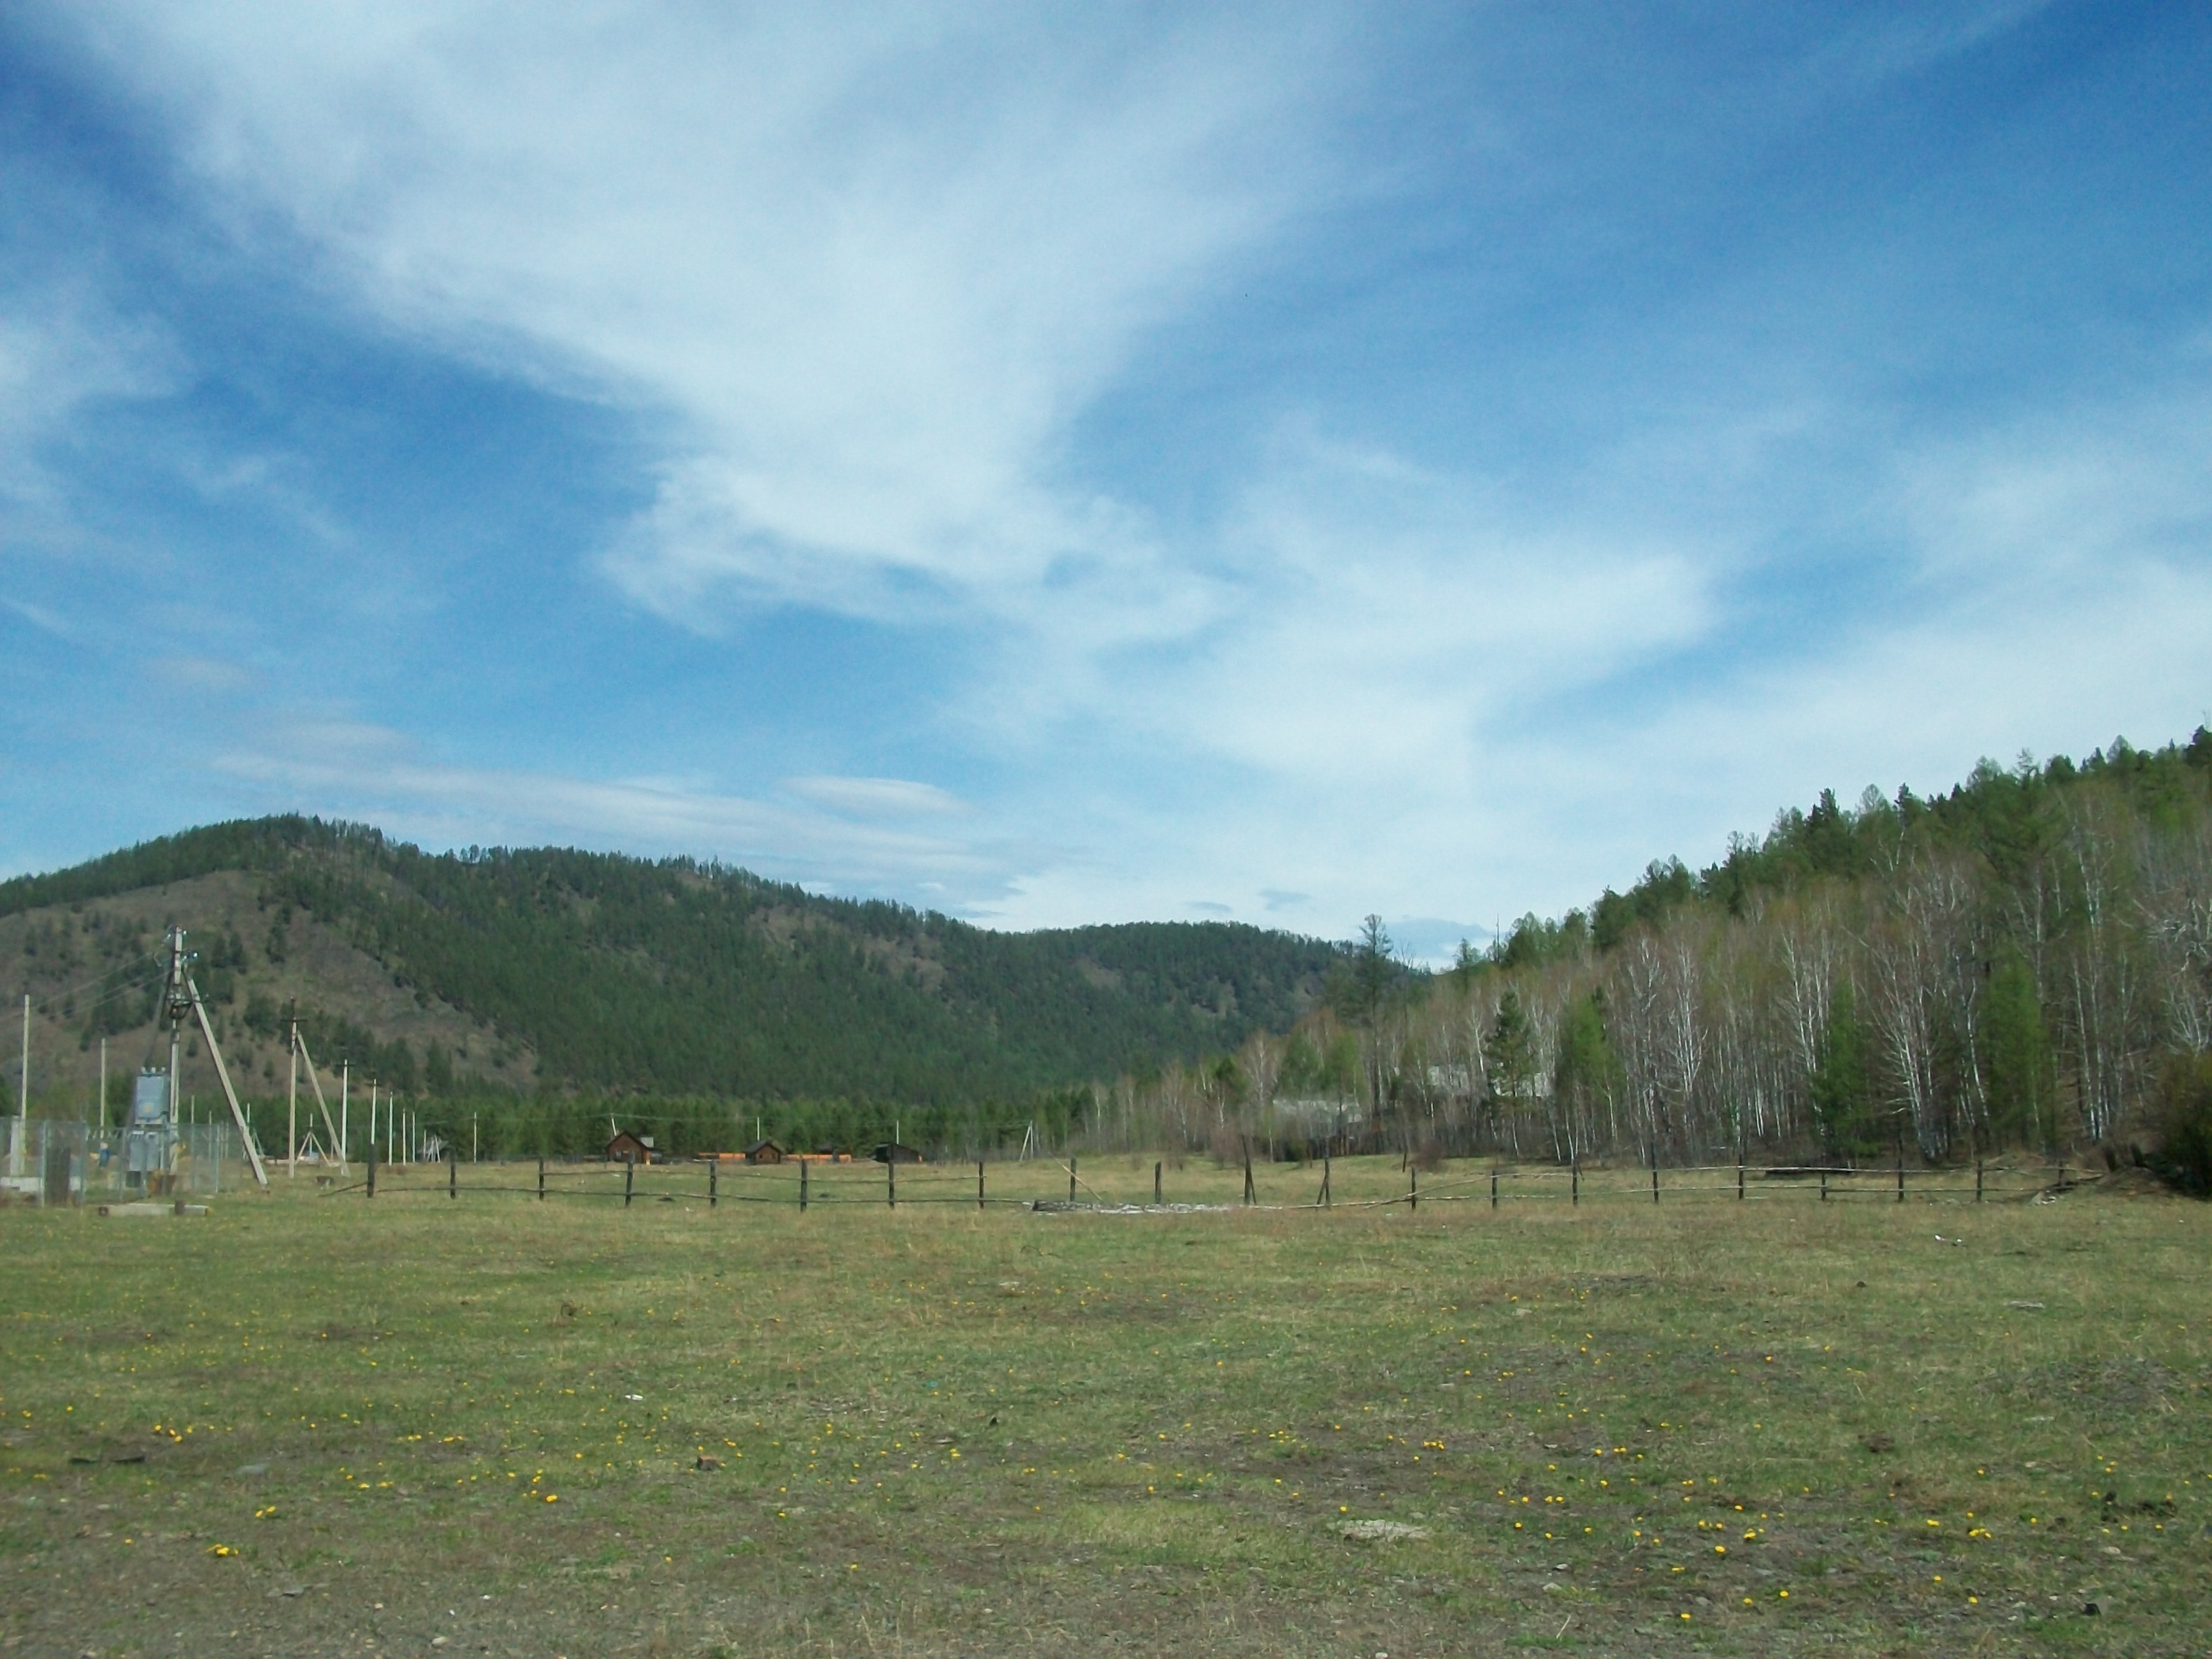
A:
{"points": [[628, 1148], [764, 1151], [892, 1151]]}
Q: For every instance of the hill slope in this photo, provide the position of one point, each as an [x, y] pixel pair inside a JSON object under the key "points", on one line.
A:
{"points": [[456, 974]]}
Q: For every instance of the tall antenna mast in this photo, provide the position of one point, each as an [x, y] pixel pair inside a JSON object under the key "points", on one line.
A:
{"points": [[182, 998]]}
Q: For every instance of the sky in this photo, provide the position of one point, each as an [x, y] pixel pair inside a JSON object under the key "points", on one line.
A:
{"points": [[1059, 465]]}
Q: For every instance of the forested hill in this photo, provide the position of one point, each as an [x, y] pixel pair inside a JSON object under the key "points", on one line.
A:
{"points": [[2025, 960], [604, 972]]}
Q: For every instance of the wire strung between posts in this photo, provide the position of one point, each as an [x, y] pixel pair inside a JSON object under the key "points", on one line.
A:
{"points": [[1864, 1184], [109, 995]]}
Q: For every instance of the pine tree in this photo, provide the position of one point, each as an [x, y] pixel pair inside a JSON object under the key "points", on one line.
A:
{"points": [[1842, 1085], [2018, 1059]]}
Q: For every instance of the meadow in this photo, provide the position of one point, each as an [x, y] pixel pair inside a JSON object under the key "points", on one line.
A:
{"points": [[316, 1423]]}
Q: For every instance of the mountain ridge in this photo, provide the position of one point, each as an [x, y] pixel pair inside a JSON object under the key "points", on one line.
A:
{"points": [[547, 968]]}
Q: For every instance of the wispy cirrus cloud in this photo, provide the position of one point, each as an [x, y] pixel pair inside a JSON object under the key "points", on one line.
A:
{"points": [[362, 769], [64, 345], [861, 272], [879, 797]]}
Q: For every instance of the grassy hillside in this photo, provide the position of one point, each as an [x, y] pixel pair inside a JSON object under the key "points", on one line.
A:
{"points": [[496, 971]]}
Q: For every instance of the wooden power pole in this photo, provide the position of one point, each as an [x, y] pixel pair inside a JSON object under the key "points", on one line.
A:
{"points": [[292, 1101]]}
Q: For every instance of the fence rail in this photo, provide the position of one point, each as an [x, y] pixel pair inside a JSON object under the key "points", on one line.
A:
{"points": [[53, 1162], [1065, 1185]]}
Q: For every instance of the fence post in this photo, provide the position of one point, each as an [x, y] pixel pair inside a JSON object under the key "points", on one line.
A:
{"points": [[1412, 1187], [979, 1183], [1248, 1169], [891, 1178], [1326, 1198], [1739, 1177], [630, 1175], [1654, 1177], [372, 1169], [541, 1181], [1824, 1185], [1071, 1177], [1493, 1188], [1901, 1167], [453, 1174], [1575, 1183], [714, 1183], [1155, 1182], [1977, 1180], [802, 1186]]}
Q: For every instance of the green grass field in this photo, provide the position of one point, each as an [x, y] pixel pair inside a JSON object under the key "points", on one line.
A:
{"points": [[478, 1425]]}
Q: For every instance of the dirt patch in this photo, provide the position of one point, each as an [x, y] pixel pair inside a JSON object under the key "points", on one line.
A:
{"points": [[2123, 1383]]}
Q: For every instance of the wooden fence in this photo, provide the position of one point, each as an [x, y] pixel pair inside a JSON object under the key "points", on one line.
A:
{"points": [[1112, 1185]]}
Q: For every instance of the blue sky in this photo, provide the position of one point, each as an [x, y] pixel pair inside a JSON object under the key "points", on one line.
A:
{"points": [[1066, 464]]}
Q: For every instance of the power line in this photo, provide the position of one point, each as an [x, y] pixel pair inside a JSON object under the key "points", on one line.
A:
{"points": [[52, 997]]}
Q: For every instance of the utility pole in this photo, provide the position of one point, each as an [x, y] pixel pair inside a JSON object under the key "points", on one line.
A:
{"points": [[22, 1132], [303, 1055], [182, 998], [345, 1080], [103, 1085], [176, 1056], [292, 1103]]}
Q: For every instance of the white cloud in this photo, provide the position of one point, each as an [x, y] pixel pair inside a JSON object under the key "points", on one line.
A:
{"points": [[1428, 705], [61, 347], [862, 267], [360, 769], [2053, 592], [879, 797], [42, 618]]}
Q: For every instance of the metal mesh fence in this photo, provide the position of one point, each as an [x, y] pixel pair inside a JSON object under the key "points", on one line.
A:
{"points": [[49, 1161]]}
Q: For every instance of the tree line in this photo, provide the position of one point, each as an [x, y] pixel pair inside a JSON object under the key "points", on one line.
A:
{"points": [[2024, 962]]}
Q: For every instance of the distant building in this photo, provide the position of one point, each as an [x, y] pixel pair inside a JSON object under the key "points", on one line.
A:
{"points": [[627, 1148], [893, 1151], [764, 1151]]}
